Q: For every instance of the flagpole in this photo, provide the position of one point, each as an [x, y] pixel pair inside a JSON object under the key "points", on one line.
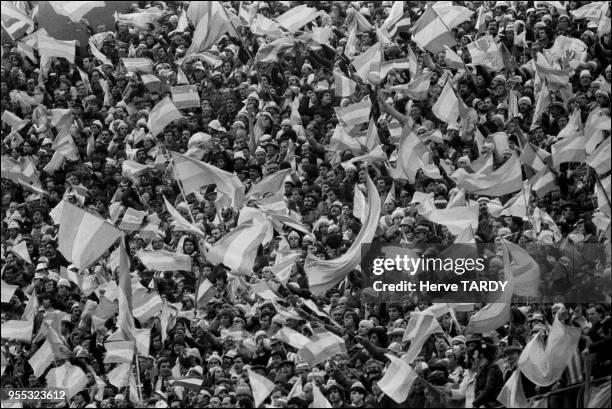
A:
{"points": [[180, 185], [602, 189], [137, 373]]}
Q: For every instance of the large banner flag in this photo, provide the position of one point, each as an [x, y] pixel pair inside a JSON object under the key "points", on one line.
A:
{"points": [[504, 180]]}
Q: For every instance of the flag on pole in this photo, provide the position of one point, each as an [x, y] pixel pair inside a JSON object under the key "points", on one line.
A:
{"points": [[418, 88], [431, 33], [512, 394], [206, 292], [446, 107], [14, 20], [291, 337], [543, 182], [343, 86], [211, 26], [318, 399], [125, 319], [297, 17], [452, 59], [520, 269], [132, 219], [161, 115], [270, 185], [421, 326], [368, 64], [569, 149], [485, 51], [504, 180], [600, 159], [50, 47], [181, 223], [355, 114], [68, 377], [321, 347], [193, 174]]}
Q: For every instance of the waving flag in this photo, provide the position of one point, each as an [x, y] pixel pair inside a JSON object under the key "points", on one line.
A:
{"points": [[125, 319], [556, 78], [431, 33], [324, 274], [321, 347], [505, 179], [485, 51], [161, 115], [297, 17], [291, 337], [15, 21], [50, 47], [418, 88], [238, 249], [211, 26], [83, 237], [521, 269], [446, 107], [181, 223], [367, 65], [143, 65], [161, 260], [260, 386], [512, 394], [420, 327], [456, 219], [600, 159], [193, 174], [270, 185], [185, 96], [75, 10], [603, 191], [69, 377], [355, 114], [206, 292], [398, 379], [569, 149], [343, 86]]}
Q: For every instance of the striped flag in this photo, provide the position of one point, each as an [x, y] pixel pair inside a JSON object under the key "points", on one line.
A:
{"points": [[592, 12], [367, 65], [520, 269], [151, 82], [69, 377], [512, 394], [297, 17], [456, 219], [543, 102], [451, 15], [133, 170], [85, 79], [446, 107], [238, 249], [85, 283], [118, 352], [291, 337], [397, 65], [504, 180], [452, 59], [322, 346], [543, 182], [213, 24], [181, 78], [14, 121], [185, 96], [17, 172], [264, 26], [132, 219], [569, 149], [395, 15], [420, 327], [27, 51], [162, 115], [344, 86], [430, 32], [50, 47], [485, 51], [206, 292], [161, 260], [193, 174], [188, 382], [600, 159], [141, 20], [98, 54], [270, 185], [491, 316], [75, 10], [41, 359], [604, 192], [83, 237], [517, 205], [355, 114], [144, 65], [418, 88], [14, 20], [398, 379], [555, 78], [324, 274], [18, 330]]}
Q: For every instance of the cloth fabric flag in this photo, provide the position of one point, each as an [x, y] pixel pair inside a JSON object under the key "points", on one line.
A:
{"points": [[418, 88], [446, 107], [138, 65], [318, 399], [193, 174], [151, 82], [451, 15], [543, 182], [83, 237], [41, 359], [395, 15], [492, 315], [600, 159], [569, 149], [517, 205], [211, 26], [162, 260], [270, 185], [372, 140], [368, 62], [534, 157], [181, 223], [14, 20], [98, 54], [264, 26], [485, 51], [75, 10], [85, 283], [50, 47], [17, 330], [540, 217], [261, 387], [555, 78], [125, 319], [19, 171], [398, 379], [350, 50], [269, 52], [452, 59], [161, 115], [420, 327], [504, 180], [544, 361], [185, 96], [238, 249], [324, 274], [132, 219], [521, 269], [543, 102], [410, 152], [355, 114], [119, 377], [431, 33], [188, 382], [397, 65], [141, 20], [343, 86], [321, 347], [291, 337], [297, 17], [68, 377], [206, 291], [21, 250], [603, 195], [456, 219], [7, 291], [14, 121], [512, 394]]}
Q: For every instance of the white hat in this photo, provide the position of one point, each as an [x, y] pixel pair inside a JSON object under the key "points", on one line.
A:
{"points": [[63, 282], [216, 125], [239, 155], [41, 266]]}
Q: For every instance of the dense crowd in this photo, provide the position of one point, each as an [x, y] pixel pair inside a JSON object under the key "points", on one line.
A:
{"points": [[262, 112]]}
